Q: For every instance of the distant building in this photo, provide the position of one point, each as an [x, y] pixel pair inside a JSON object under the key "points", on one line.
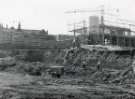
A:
{"points": [[94, 24], [12, 35], [64, 37]]}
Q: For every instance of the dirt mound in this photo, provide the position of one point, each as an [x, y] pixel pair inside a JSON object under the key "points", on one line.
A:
{"points": [[103, 67], [111, 60], [88, 74]]}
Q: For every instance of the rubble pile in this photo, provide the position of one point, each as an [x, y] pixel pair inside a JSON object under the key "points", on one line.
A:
{"points": [[80, 57], [87, 75], [99, 66], [103, 67]]}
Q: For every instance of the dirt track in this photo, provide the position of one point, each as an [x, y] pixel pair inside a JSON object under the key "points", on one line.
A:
{"points": [[13, 79], [18, 86]]}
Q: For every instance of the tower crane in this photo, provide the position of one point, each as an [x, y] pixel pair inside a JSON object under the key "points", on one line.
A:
{"points": [[79, 11], [101, 11], [102, 14]]}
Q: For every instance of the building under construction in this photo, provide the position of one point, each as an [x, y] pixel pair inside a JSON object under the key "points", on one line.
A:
{"points": [[109, 34], [104, 32]]}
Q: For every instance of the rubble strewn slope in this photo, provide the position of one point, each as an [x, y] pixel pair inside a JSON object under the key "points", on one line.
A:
{"points": [[87, 74]]}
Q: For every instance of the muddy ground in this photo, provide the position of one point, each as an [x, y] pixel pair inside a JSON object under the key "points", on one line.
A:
{"points": [[17, 86], [82, 77]]}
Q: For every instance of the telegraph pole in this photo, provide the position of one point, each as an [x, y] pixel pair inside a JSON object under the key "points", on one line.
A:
{"points": [[84, 24], [74, 26], [102, 23], [74, 33]]}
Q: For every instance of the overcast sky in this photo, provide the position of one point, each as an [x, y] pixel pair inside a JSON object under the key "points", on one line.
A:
{"points": [[49, 14]]}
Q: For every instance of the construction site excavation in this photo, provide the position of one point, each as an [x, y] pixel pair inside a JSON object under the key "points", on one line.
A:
{"points": [[96, 62]]}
